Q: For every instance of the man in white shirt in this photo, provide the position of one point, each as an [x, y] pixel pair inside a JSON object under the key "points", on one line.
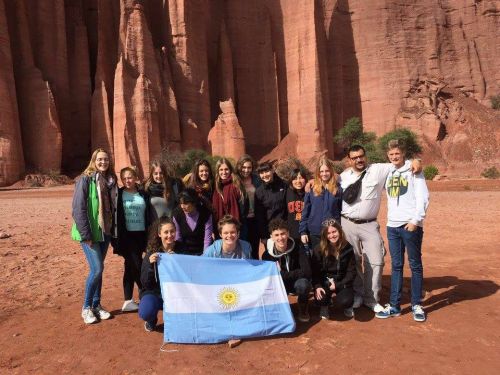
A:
{"points": [[359, 222], [407, 202]]}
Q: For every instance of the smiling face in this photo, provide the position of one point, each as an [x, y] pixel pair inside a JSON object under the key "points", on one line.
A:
{"points": [[158, 175], [299, 182], [280, 239], [203, 173], [324, 173], [224, 172], [229, 235], [246, 169], [167, 235], [333, 235], [358, 160], [396, 157], [128, 180], [102, 162], [266, 176]]}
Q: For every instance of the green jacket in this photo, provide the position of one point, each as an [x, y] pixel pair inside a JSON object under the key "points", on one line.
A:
{"points": [[86, 211]]}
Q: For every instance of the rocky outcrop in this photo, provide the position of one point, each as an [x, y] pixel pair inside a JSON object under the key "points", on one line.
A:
{"points": [[226, 137], [136, 76]]}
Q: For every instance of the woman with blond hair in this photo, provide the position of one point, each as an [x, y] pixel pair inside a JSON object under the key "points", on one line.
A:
{"points": [[333, 270], [323, 201], [163, 190], [229, 196], [94, 209]]}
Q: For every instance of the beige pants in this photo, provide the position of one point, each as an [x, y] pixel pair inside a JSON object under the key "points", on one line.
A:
{"points": [[369, 252]]}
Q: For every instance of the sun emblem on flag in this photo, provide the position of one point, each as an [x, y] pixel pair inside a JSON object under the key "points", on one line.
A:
{"points": [[228, 298]]}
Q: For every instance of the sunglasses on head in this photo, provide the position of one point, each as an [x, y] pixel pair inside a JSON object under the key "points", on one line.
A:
{"points": [[329, 223]]}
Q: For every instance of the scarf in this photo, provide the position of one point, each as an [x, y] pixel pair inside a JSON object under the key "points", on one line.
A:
{"points": [[156, 189], [106, 188], [228, 202]]}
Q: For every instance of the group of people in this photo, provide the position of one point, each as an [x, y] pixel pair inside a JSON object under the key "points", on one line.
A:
{"points": [[321, 232]]}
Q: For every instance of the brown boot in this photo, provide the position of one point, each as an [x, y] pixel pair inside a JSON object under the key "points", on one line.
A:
{"points": [[304, 312]]}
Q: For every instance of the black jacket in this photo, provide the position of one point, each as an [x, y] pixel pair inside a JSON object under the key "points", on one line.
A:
{"points": [[119, 242], [149, 277], [342, 270], [294, 263], [270, 203]]}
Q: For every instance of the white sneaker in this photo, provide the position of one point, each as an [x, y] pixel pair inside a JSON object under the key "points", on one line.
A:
{"points": [[375, 307], [349, 312], [324, 313], [101, 313], [88, 316], [358, 301], [129, 306]]}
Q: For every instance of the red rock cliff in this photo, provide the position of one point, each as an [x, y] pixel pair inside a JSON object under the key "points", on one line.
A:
{"points": [[136, 76]]}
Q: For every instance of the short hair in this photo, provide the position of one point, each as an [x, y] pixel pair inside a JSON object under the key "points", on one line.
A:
{"points": [[355, 148], [188, 195], [264, 167], [396, 143], [276, 224], [129, 169], [228, 219]]}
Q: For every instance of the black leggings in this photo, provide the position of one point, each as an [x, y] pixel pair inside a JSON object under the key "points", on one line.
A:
{"points": [[133, 263]]}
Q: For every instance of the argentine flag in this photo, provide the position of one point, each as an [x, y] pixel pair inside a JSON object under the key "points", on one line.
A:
{"points": [[211, 300]]}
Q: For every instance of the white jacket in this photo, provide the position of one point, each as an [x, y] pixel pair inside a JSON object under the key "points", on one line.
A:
{"points": [[407, 196]]}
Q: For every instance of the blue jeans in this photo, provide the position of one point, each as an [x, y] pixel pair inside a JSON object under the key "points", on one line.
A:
{"points": [[149, 306], [95, 255], [400, 239]]}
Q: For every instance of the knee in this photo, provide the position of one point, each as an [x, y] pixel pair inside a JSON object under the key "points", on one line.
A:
{"points": [[345, 299], [147, 308], [302, 287], [415, 265]]}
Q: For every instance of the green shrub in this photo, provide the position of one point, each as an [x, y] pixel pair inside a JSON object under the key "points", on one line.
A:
{"points": [[491, 172], [430, 172], [352, 134], [495, 101], [407, 136]]}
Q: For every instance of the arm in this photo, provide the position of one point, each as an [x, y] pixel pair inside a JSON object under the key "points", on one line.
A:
{"points": [[260, 215], [304, 270], [316, 268], [303, 230], [148, 278], [349, 277], [178, 235], [207, 240], [79, 206], [422, 199]]}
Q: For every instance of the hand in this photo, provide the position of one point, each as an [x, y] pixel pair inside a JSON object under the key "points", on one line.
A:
{"points": [[416, 166], [332, 283], [410, 227], [319, 293], [304, 238], [153, 257]]}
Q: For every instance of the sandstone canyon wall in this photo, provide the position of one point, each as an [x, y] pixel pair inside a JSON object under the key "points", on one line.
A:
{"points": [[136, 76]]}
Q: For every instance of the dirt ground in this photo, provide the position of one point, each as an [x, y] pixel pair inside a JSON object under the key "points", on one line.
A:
{"points": [[43, 273]]}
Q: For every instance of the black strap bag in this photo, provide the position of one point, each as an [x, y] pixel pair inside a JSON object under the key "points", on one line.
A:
{"points": [[351, 192]]}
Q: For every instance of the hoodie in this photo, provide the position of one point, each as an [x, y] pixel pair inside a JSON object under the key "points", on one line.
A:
{"points": [[294, 264], [407, 197]]}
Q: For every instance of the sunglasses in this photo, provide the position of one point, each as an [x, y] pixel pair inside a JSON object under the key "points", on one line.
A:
{"points": [[357, 157], [329, 223]]}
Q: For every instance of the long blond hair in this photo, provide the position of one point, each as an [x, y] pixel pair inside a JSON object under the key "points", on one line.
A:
{"points": [[236, 179], [331, 185], [325, 246], [167, 180], [91, 168]]}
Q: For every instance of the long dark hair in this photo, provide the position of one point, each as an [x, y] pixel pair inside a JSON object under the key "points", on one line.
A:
{"points": [[326, 247], [154, 240], [167, 180], [236, 180], [194, 179]]}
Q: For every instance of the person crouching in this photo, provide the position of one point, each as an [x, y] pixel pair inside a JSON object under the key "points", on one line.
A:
{"points": [[292, 263]]}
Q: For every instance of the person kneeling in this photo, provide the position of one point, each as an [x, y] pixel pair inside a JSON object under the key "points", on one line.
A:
{"points": [[333, 269], [162, 240], [292, 263]]}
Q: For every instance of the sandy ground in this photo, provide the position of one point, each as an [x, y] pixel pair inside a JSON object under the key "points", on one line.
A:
{"points": [[43, 273]]}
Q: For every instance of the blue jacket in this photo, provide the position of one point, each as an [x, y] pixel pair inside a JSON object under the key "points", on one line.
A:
{"points": [[215, 249], [319, 208]]}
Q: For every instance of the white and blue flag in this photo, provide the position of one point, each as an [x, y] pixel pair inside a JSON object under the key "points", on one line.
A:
{"points": [[211, 300]]}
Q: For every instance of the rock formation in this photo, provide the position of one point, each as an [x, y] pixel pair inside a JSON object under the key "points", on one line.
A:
{"points": [[226, 137], [135, 76]]}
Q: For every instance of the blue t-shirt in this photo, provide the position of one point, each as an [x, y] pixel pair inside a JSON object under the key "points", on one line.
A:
{"points": [[134, 207]]}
